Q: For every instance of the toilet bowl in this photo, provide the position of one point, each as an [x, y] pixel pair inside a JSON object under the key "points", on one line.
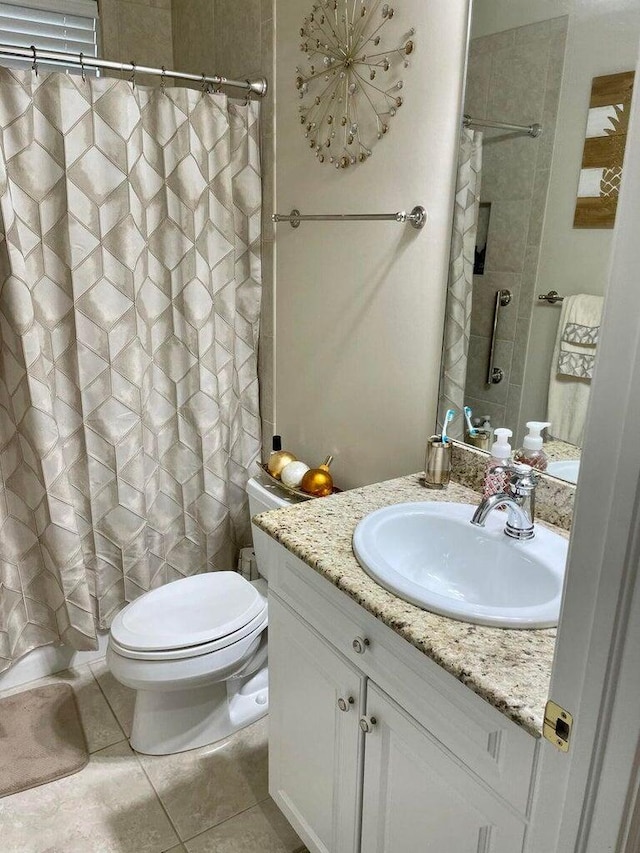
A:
{"points": [[195, 652]]}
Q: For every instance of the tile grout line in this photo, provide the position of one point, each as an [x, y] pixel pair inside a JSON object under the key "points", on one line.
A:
{"points": [[106, 699], [157, 796], [226, 820]]}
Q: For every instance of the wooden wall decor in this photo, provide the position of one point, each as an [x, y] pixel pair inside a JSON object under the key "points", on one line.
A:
{"points": [[604, 147]]}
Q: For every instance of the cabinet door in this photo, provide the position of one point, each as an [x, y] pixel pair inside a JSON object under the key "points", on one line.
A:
{"points": [[419, 798], [314, 745]]}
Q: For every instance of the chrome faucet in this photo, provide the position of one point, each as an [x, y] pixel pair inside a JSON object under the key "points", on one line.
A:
{"points": [[519, 500]]}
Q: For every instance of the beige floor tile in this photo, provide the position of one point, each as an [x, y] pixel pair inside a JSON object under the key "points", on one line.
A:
{"points": [[100, 726], [203, 787], [120, 698], [261, 828], [109, 807], [179, 849]]}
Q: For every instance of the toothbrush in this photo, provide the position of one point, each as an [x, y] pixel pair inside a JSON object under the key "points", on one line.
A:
{"points": [[467, 414], [450, 415]]}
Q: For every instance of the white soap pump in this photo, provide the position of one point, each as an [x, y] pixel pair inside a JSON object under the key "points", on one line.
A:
{"points": [[496, 482], [531, 452]]}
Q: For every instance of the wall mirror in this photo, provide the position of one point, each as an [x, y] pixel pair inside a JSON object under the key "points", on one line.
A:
{"points": [[525, 179]]}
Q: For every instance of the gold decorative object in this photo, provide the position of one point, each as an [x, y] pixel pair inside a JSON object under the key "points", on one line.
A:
{"points": [[278, 461], [318, 481], [601, 175], [351, 88]]}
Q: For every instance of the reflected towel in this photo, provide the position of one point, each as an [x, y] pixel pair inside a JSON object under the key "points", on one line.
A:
{"points": [[572, 366], [580, 328]]}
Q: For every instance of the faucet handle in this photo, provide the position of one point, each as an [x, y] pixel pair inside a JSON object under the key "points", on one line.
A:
{"points": [[524, 478]]}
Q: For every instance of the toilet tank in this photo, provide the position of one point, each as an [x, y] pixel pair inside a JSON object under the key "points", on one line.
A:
{"points": [[264, 496]]}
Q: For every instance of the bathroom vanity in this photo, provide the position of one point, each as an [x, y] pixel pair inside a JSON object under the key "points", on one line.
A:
{"points": [[390, 725]]}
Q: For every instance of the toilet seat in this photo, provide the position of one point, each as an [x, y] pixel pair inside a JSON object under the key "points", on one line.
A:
{"points": [[189, 617], [257, 625]]}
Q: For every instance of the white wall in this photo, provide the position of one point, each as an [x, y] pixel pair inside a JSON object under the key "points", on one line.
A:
{"points": [[360, 307], [603, 38]]}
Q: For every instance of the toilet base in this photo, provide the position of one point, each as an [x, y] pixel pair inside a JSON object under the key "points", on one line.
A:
{"points": [[165, 722]]}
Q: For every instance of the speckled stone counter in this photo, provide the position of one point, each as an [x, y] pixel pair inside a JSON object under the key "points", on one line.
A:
{"points": [[509, 669], [558, 451]]}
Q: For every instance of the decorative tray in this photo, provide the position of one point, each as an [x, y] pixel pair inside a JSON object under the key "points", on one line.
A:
{"points": [[298, 493]]}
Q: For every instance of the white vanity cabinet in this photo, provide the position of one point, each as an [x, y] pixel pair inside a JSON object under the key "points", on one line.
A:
{"points": [[372, 747]]}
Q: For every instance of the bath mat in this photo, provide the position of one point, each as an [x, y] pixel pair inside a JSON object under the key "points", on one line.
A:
{"points": [[41, 738]]}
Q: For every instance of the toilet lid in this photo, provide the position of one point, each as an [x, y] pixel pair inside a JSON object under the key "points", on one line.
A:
{"points": [[188, 612]]}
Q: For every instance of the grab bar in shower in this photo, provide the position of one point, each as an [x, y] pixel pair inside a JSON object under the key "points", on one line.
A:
{"points": [[417, 217], [495, 374]]}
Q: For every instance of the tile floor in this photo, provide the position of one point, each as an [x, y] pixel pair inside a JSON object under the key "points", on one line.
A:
{"points": [[209, 800]]}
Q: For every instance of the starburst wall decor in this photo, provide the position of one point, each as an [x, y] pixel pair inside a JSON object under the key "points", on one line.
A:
{"points": [[352, 87]]}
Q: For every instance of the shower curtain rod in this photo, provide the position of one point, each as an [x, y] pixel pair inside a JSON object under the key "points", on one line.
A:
{"points": [[78, 60], [530, 129]]}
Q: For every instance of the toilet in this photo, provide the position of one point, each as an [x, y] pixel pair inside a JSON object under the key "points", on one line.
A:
{"points": [[195, 651]]}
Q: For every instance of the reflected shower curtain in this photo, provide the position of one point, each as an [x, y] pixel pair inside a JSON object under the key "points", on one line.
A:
{"points": [[130, 286], [460, 286]]}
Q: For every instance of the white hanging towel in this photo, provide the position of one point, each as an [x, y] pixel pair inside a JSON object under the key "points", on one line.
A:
{"points": [[572, 366]]}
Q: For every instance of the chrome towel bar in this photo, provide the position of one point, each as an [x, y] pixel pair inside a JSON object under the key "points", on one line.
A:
{"points": [[552, 297], [417, 218], [533, 130]]}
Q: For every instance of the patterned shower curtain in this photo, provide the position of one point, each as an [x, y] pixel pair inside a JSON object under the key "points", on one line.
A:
{"points": [[130, 286], [459, 292]]}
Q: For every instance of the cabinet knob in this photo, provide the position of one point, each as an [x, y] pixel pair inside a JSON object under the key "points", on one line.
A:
{"points": [[359, 645], [345, 704], [367, 724]]}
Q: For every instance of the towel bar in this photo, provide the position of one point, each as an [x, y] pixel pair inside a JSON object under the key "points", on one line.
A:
{"points": [[552, 297]]}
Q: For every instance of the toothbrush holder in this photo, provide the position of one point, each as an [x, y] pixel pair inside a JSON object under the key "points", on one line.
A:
{"points": [[480, 440], [437, 466]]}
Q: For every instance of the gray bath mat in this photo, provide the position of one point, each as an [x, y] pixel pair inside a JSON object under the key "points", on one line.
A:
{"points": [[41, 738]]}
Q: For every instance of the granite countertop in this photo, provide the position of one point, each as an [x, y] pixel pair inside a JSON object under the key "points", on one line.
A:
{"points": [[510, 669], [558, 451]]}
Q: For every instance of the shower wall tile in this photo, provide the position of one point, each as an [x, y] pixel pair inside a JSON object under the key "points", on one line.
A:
{"points": [[138, 31], [518, 82], [493, 42], [520, 352], [478, 364], [237, 36], [512, 411], [193, 36], [509, 170], [478, 82], [538, 206], [508, 229], [485, 408]]}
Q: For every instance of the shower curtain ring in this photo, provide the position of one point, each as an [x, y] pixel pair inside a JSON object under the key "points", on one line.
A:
{"points": [[247, 100], [205, 85], [82, 74], [163, 80], [132, 79], [34, 66]]}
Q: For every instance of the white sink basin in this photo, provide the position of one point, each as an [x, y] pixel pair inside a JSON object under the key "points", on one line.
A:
{"points": [[431, 555], [566, 469]]}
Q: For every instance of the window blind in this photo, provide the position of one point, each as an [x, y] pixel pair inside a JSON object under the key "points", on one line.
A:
{"points": [[66, 25]]}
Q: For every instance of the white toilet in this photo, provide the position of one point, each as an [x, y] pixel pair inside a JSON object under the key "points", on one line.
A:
{"points": [[195, 650]]}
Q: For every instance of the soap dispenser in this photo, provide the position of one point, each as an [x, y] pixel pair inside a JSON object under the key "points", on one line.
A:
{"points": [[496, 482], [531, 452]]}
